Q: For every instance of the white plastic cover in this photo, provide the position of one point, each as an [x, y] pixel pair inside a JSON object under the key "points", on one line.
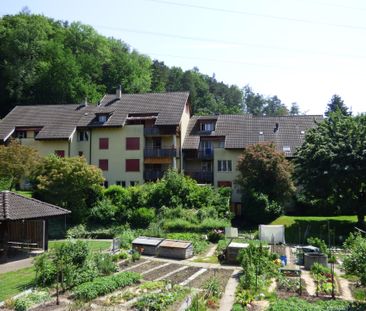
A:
{"points": [[273, 234]]}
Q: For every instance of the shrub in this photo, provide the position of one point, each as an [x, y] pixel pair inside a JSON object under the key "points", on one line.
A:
{"points": [[259, 209], [27, 301], [126, 238], [215, 235], [314, 241], [135, 256], [355, 260], [198, 241], [142, 217], [104, 263], [103, 212], [104, 285], [45, 270], [155, 229], [77, 232]]}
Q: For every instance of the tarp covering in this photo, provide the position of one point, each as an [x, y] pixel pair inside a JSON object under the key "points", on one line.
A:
{"points": [[273, 234]]}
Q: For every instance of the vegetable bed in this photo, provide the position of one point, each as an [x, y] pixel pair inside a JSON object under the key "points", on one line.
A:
{"points": [[146, 266], [181, 276], [221, 274], [160, 272]]}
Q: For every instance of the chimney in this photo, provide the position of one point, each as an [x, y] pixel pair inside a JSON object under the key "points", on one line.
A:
{"points": [[119, 91]]}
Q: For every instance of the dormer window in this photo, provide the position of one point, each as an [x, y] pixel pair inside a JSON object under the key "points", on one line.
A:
{"points": [[21, 134], [207, 126]]}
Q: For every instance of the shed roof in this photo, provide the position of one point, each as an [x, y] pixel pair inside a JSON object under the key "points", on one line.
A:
{"points": [[14, 206], [175, 244], [147, 240]]}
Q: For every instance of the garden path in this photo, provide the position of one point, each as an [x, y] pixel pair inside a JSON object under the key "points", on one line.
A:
{"points": [[211, 251], [16, 265], [345, 292], [310, 284], [228, 298]]}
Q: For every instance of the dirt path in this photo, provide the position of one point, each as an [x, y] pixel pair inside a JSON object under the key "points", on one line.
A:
{"points": [[345, 292], [211, 251], [228, 298], [310, 284]]}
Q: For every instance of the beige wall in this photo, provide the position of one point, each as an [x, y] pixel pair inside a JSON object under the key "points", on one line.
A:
{"points": [[183, 131], [226, 154], [46, 147], [117, 153]]}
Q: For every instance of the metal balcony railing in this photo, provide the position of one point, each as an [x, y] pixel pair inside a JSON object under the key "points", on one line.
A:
{"points": [[160, 153], [156, 131], [206, 154], [201, 176], [153, 174]]}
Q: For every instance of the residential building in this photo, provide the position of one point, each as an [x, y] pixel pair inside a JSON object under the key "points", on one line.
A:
{"points": [[135, 138]]}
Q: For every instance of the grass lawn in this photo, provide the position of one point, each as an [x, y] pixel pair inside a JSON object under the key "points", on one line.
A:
{"points": [[94, 245], [27, 194], [299, 228], [12, 283]]}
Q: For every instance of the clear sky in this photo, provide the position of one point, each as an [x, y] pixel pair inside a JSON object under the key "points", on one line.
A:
{"points": [[303, 51]]}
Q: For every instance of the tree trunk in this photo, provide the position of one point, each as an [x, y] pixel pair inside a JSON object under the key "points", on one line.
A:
{"points": [[361, 220]]}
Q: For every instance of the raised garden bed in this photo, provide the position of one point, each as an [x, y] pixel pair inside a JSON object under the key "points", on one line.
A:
{"points": [[181, 276], [127, 264], [222, 275], [146, 266], [153, 275]]}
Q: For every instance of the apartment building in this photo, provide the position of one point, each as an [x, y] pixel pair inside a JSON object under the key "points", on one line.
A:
{"points": [[135, 138], [132, 138]]}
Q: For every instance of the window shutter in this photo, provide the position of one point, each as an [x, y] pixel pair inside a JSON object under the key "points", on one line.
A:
{"points": [[132, 165]]}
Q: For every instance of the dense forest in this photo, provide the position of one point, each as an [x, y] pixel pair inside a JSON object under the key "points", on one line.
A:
{"points": [[44, 61]]}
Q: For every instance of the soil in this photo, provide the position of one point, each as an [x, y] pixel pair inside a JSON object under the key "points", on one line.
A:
{"points": [[180, 276], [146, 266], [51, 306], [160, 272], [123, 265], [222, 275]]}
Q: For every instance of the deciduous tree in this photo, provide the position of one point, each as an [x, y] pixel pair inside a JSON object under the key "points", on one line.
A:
{"points": [[17, 162], [70, 183], [331, 164]]}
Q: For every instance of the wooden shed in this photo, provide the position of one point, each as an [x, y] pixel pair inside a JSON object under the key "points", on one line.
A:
{"points": [[176, 249], [24, 222], [232, 251], [147, 245]]}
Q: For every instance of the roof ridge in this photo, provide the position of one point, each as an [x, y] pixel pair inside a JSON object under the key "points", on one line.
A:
{"points": [[38, 201]]}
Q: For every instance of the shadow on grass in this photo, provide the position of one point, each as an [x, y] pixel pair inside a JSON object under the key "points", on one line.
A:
{"points": [[331, 231]]}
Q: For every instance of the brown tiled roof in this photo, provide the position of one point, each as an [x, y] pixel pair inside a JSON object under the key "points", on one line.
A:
{"points": [[14, 206], [55, 121], [59, 121], [243, 130], [168, 107]]}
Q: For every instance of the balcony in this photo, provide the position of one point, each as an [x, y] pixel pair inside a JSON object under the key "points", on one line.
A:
{"points": [[200, 176], [151, 175], [205, 154], [157, 131], [160, 153]]}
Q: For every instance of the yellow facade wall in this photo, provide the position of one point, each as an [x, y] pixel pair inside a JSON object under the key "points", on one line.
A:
{"points": [[117, 154], [46, 147], [226, 154]]}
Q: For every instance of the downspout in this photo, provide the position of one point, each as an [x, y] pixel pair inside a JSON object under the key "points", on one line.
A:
{"points": [[69, 147], [90, 147]]}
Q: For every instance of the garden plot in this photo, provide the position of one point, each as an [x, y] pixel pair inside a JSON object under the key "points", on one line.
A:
{"points": [[153, 275], [129, 264], [182, 275], [147, 265], [222, 275]]}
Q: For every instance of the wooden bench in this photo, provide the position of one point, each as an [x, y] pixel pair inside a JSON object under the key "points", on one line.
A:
{"points": [[23, 245]]}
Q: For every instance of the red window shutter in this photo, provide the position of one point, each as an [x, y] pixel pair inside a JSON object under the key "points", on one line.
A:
{"points": [[103, 164], [103, 143], [132, 165], [224, 184], [133, 143], [60, 153]]}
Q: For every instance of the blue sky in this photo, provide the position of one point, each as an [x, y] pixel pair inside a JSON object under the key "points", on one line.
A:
{"points": [[303, 51]]}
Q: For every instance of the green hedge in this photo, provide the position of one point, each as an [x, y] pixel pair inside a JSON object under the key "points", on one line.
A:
{"points": [[208, 224], [104, 285]]}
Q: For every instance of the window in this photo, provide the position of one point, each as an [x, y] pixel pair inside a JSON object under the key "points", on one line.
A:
{"points": [[224, 165], [103, 164], [60, 153], [103, 143], [206, 166], [105, 184], [121, 183], [81, 153], [207, 127], [132, 165], [102, 118], [21, 134], [224, 184], [132, 143], [134, 182], [83, 136], [222, 144]]}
